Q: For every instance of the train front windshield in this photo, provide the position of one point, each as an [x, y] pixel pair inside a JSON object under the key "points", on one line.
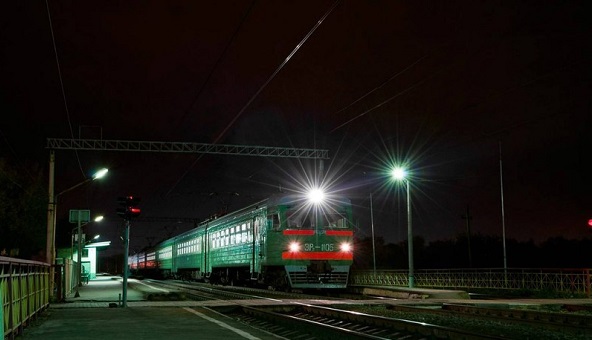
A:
{"points": [[327, 218]]}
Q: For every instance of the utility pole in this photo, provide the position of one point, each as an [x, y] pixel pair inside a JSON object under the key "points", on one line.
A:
{"points": [[373, 245], [503, 215], [468, 217], [125, 260]]}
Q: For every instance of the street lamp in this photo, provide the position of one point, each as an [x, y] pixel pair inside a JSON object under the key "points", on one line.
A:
{"points": [[400, 174], [52, 214]]}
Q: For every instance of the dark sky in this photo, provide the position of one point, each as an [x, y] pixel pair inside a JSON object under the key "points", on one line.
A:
{"points": [[436, 85]]}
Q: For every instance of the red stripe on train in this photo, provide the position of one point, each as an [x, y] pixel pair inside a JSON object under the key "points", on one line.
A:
{"points": [[312, 232], [299, 232], [339, 233], [317, 255]]}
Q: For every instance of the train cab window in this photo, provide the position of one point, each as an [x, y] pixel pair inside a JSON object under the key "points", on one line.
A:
{"points": [[294, 221], [299, 219], [335, 220], [274, 219]]}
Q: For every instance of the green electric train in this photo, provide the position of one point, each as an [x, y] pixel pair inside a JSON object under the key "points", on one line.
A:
{"points": [[283, 242]]}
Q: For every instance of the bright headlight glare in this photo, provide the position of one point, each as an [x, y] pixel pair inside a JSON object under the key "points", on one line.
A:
{"points": [[316, 196], [346, 247], [294, 247]]}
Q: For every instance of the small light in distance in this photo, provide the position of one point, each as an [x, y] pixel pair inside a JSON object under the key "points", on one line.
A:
{"points": [[590, 223], [294, 247], [345, 247], [316, 196]]}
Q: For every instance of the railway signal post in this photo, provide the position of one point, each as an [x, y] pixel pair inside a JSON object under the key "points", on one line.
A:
{"points": [[128, 211]]}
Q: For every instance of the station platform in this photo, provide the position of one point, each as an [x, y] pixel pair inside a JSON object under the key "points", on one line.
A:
{"points": [[409, 293], [94, 314]]}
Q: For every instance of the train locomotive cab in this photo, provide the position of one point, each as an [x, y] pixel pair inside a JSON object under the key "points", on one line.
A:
{"points": [[314, 242]]}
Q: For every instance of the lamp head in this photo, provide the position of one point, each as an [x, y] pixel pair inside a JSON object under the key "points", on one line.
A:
{"points": [[399, 174], [101, 173]]}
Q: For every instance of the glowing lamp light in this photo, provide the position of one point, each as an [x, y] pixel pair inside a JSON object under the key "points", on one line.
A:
{"points": [[316, 196], [590, 223], [101, 173], [399, 173], [98, 244], [345, 247], [294, 247]]}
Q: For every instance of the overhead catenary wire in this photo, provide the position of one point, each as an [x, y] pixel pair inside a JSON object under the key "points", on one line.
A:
{"points": [[261, 88], [218, 61], [55, 50]]}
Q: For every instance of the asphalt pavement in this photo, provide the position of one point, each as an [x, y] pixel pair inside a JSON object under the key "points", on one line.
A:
{"points": [[97, 313]]}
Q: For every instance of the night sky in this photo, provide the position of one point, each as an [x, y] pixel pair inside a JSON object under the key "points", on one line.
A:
{"points": [[442, 87]]}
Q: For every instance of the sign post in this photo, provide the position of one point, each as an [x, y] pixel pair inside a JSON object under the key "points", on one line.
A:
{"points": [[79, 216]]}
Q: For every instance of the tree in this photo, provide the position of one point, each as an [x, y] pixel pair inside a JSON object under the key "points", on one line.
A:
{"points": [[23, 210]]}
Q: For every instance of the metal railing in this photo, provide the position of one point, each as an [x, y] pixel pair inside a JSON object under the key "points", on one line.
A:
{"points": [[571, 281], [24, 292], [68, 276]]}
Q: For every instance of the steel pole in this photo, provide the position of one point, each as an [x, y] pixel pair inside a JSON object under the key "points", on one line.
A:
{"points": [[125, 260], [503, 216], [373, 245], [410, 239], [79, 250], [50, 232]]}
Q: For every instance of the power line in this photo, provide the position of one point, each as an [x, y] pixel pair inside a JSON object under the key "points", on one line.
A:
{"points": [[55, 50], [279, 68]]}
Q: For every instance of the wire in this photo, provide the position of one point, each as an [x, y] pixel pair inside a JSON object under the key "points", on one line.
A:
{"points": [[378, 87], [278, 69], [55, 50], [220, 57]]}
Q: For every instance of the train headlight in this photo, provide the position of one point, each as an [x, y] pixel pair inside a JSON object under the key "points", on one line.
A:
{"points": [[346, 247], [294, 247], [316, 196]]}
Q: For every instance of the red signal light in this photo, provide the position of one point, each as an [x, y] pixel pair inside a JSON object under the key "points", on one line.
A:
{"points": [[129, 208], [590, 223]]}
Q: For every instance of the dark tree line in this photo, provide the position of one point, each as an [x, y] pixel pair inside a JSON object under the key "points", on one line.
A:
{"points": [[485, 252], [23, 211]]}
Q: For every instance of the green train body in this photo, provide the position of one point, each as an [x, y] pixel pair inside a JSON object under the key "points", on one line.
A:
{"points": [[282, 242]]}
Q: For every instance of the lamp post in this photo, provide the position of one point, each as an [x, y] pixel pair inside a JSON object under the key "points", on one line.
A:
{"points": [[52, 213], [399, 174], [373, 245], [79, 255]]}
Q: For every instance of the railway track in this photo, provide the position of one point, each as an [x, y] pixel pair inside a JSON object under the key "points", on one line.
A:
{"points": [[306, 321], [202, 291], [565, 322], [386, 320], [315, 322], [504, 322]]}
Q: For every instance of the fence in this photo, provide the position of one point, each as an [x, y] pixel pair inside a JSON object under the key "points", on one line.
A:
{"points": [[24, 292], [66, 277], [572, 281]]}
